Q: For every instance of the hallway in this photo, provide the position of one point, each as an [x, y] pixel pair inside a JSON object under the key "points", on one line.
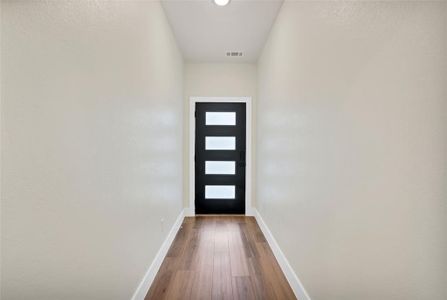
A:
{"points": [[223, 149], [222, 257]]}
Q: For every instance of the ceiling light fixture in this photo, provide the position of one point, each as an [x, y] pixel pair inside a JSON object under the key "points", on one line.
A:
{"points": [[221, 2]]}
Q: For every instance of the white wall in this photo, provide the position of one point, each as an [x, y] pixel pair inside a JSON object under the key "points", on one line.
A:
{"points": [[91, 146], [352, 143], [215, 80]]}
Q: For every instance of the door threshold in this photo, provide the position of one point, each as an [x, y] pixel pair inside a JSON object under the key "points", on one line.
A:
{"points": [[219, 215]]}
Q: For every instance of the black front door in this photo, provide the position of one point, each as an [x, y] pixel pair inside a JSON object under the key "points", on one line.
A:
{"points": [[220, 158]]}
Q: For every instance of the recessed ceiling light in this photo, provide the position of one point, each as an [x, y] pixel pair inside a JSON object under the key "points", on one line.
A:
{"points": [[221, 2]]}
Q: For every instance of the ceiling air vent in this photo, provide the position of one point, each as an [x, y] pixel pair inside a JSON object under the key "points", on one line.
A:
{"points": [[235, 53]]}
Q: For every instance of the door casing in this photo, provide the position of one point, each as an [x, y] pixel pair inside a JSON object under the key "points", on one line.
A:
{"points": [[248, 169]]}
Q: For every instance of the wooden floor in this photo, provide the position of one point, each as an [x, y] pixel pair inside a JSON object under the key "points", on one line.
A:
{"points": [[220, 257]]}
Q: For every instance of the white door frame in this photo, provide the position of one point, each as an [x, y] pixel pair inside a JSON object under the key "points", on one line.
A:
{"points": [[192, 141]]}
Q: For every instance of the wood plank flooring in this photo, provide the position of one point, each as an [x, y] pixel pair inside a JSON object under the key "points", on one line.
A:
{"points": [[220, 257]]}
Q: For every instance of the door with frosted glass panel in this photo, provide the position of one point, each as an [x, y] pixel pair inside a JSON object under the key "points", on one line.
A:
{"points": [[220, 158]]}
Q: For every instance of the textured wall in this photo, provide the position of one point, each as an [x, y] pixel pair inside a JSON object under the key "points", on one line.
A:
{"points": [[352, 143], [91, 146]]}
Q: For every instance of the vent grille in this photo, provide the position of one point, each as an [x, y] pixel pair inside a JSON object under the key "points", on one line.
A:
{"points": [[234, 53]]}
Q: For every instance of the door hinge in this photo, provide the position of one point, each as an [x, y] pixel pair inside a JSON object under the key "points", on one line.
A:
{"points": [[195, 113]]}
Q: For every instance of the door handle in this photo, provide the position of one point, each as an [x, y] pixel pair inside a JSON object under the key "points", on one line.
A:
{"points": [[242, 155], [241, 163]]}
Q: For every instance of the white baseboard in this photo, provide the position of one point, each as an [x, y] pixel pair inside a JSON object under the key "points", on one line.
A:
{"points": [[149, 277], [290, 274]]}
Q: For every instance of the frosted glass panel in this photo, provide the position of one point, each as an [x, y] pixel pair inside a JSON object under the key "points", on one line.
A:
{"points": [[220, 167], [220, 118], [220, 191], [220, 143]]}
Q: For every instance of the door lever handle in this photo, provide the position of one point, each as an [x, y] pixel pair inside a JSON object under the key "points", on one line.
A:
{"points": [[241, 164], [242, 155]]}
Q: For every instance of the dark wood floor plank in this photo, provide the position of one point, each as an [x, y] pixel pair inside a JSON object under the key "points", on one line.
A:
{"points": [[243, 288], [220, 257], [262, 287], [180, 240], [222, 280], [188, 259], [238, 256], [221, 237], [181, 286], [160, 286], [202, 281], [248, 240], [271, 272]]}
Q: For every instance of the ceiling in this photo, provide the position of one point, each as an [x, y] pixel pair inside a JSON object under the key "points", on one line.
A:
{"points": [[205, 32]]}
